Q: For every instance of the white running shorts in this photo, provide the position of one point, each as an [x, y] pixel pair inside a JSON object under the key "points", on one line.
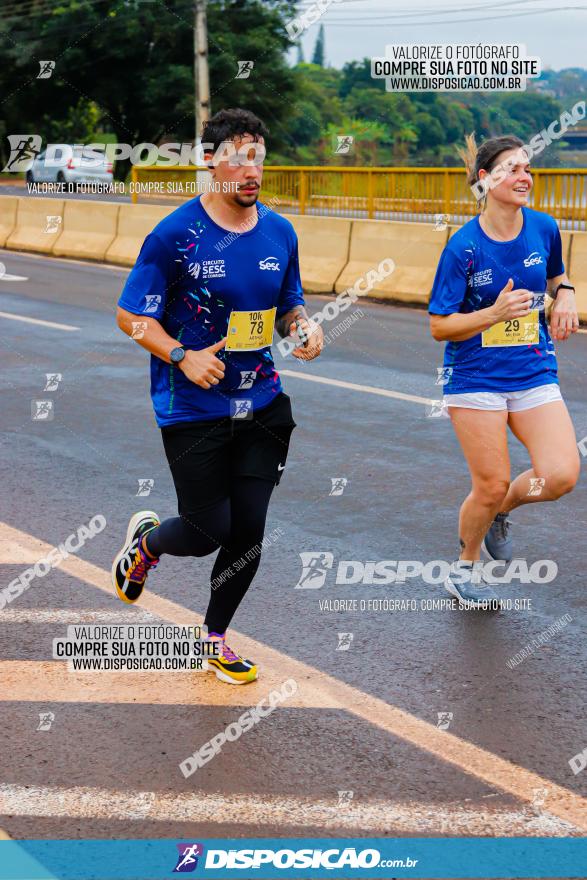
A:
{"points": [[512, 401]]}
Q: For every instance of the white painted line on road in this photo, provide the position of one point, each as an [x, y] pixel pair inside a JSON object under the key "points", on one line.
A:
{"points": [[50, 681], [316, 687], [65, 616], [85, 802], [21, 552], [367, 389], [26, 320], [68, 261], [7, 277]]}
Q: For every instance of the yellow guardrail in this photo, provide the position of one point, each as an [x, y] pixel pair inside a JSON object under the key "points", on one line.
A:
{"points": [[395, 193], [334, 252]]}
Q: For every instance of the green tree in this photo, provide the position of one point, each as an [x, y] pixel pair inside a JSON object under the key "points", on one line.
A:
{"points": [[315, 105], [134, 63], [526, 113], [429, 130], [318, 56], [358, 73], [365, 148]]}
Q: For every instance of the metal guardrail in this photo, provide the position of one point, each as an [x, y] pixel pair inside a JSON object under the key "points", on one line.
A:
{"points": [[395, 193]]}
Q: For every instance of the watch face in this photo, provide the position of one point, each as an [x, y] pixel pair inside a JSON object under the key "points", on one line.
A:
{"points": [[177, 355]]}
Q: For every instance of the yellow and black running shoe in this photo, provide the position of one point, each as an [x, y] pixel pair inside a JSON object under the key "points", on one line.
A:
{"points": [[231, 668], [132, 565]]}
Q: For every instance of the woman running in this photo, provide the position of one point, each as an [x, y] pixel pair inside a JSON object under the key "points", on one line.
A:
{"points": [[500, 365]]}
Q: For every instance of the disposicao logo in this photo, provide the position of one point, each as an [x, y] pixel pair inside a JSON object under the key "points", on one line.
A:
{"points": [[187, 860]]}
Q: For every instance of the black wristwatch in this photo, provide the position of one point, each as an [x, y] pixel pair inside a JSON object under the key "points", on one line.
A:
{"points": [[562, 286], [176, 355]]}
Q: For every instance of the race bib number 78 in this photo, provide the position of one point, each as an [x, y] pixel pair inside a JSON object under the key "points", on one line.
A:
{"points": [[249, 331]]}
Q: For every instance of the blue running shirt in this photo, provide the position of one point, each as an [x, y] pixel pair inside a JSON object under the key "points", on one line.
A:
{"points": [[190, 275], [472, 271]]}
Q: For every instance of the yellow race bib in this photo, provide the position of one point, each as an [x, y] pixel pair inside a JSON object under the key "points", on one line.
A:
{"points": [[516, 331], [249, 331]]}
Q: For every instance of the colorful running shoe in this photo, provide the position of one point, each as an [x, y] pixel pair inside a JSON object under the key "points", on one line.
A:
{"points": [[132, 565], [230, 667], [497, 543]]}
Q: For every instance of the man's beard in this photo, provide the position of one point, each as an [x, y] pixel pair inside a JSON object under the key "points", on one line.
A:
{"points": [[245, 201]]}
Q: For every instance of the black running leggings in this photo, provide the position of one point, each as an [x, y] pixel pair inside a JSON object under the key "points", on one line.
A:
{"points": [[236, 525]]}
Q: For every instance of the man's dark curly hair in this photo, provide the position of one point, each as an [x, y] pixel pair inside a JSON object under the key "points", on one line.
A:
{"points": [[228, 124]]}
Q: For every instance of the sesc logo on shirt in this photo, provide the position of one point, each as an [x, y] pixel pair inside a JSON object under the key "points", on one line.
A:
{"points": [[483, 277], [213, 269], [534, 259], [270, 263]]}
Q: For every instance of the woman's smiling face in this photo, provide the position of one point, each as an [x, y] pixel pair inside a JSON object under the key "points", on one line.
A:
{"points": [[515, 187]]}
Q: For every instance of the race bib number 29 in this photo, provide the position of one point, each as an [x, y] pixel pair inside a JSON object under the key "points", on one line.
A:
{"points": [[249, 331], [517, 331]]}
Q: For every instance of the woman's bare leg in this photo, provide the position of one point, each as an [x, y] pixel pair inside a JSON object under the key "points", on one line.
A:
{"points": [[483, 438], [548, 434]]}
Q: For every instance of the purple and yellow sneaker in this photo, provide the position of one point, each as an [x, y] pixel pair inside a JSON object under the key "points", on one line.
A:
{"points": [[132, 565], [230, 667]]}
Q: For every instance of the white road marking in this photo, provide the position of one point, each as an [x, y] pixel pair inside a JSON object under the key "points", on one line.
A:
{"points": [[7, 277], [367, 389], [67, 260], [26, 320], [50, 681], [85, 802], [73, 616], [21, 552]]}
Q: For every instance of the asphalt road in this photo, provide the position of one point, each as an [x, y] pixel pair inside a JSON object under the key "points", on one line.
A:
{"points": [[364, 720]]}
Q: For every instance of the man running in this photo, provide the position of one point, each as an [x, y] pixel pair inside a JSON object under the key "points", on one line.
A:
{"points": [[210, 283]]}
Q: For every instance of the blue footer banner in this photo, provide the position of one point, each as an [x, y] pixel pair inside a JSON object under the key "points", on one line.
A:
{"points": [[293, 857]]}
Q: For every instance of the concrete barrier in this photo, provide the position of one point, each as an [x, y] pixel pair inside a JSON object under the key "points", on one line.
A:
{"points": [[114, 233], [324, 250], [39, 224], [8, 209], [577, 271], [415, 249], [89, 228], [134, 224]]}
